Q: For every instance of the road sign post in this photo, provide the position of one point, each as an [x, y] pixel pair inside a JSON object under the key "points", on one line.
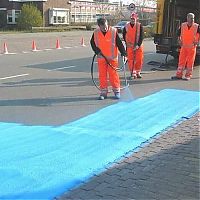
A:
{"points": [[131, 7]]}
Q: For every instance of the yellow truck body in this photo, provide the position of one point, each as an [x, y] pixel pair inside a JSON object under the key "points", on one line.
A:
{"points": [[170, 15]]}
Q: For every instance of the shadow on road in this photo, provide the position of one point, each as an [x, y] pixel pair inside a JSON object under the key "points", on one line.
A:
{"points": [[45, 101]]}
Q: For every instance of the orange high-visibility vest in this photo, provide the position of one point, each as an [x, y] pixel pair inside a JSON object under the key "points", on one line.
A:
{"points": [[132, 34], [107, 43], [189, 36]]}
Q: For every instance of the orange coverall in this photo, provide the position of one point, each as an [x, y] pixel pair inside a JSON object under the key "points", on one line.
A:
{"points": [[107, 44], [135, 57], [189, 40]]}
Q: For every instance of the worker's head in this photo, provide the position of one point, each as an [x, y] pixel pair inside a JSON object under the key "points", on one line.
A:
{"points": [[103, 24], [190, 18], [133, 17]]}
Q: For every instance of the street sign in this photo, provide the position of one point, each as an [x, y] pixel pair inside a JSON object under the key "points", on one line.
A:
{"points": [[131, 7]]}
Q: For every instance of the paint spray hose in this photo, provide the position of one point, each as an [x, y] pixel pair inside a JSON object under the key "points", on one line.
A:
{"points": [[123, 67]]}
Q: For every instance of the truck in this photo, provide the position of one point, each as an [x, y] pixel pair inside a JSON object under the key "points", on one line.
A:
{"points": [[170, 15]]}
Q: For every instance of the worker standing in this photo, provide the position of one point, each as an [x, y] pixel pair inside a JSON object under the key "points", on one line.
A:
{"points": [[105, 42], [188, 40], [133, 36]]}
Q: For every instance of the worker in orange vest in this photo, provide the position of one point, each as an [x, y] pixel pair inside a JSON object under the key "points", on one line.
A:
{"points": [[105, 42], [133, 36], [188, 40]]}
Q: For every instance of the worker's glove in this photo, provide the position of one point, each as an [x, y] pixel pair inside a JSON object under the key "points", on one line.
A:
{"points": [[125, 59], [180, 43], [97, 51], [136, 47], [124, 54], [195, 43]]}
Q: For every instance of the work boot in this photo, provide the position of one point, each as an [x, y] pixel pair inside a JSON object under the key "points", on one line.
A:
{"points": [[117, 95], [102, 96], [139, 75], [133, 77], [176, 78]]}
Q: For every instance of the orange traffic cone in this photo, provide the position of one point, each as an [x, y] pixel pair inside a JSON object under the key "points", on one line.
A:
{"points": [[82, 42], [58, 44], [5, 48], [34, 48]]}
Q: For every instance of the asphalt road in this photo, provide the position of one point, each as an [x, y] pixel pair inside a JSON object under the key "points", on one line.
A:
{"points": [[53, 87]]}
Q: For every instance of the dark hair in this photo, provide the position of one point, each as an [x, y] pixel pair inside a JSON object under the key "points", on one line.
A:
{"points": [[101, 21]]}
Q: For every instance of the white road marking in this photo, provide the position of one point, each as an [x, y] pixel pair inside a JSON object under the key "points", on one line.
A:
{"points": [[72, 66], [10, 53], [36, 50], [149, 53], [15, 76]]}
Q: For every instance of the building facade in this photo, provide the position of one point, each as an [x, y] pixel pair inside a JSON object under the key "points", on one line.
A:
{"points": [[59, 12], [64, 12], [53, 11], [89, 11]]}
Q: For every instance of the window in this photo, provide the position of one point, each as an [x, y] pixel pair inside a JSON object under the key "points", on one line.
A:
{"points": [[9, 17], [59, 19], [12, 16], [17, 12], [58, 16], [54, 19], [63, 19]]}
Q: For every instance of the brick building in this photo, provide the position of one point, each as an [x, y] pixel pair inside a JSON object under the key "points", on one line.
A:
{"points": [[58, 12], [64, 12], [54, 12]]}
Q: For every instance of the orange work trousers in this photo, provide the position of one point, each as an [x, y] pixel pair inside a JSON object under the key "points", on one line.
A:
{"points": [[186, 60], [105, 72], [135, 59]]}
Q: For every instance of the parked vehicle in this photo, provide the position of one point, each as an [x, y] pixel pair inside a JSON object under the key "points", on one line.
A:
{"points": [[170, 15], [120, 26]]}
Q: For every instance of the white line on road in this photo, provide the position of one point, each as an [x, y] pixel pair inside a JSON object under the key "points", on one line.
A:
{"points": [[9, 77], [62, 68], [149, 53], [10, 53]]}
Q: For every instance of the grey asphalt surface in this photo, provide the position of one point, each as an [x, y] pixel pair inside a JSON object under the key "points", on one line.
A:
{"points": [[51, 92], [54, 87]]}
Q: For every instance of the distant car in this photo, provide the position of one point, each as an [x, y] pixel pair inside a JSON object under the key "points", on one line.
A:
{"points": [[120, 26]]}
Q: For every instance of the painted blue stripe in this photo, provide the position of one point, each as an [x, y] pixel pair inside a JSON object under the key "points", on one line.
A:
{"points": [[42, 162]]}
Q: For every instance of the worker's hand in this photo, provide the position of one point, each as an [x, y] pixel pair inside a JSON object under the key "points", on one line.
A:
{"points": [[180, 43], [125, 59], [98, 51], [195, 43], [136, 47], [124, 54]]}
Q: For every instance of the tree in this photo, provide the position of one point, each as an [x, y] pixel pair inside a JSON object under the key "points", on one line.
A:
{"points": [[29, 17]]}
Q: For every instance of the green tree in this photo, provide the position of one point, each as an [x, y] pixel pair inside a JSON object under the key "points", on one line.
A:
{"points": [[29, 17]]}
